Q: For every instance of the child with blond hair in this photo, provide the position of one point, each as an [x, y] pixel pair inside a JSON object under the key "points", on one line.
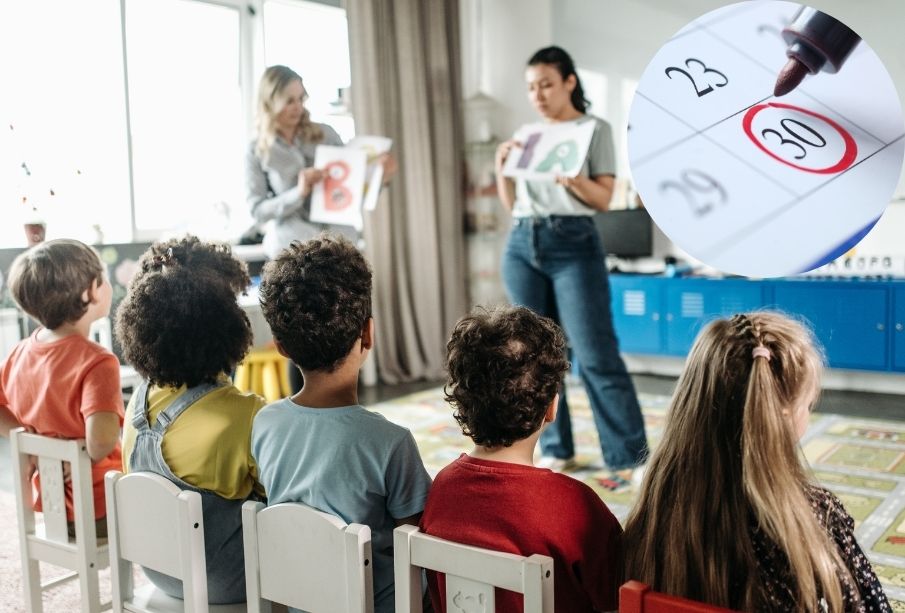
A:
{"points": [[728, 513]]}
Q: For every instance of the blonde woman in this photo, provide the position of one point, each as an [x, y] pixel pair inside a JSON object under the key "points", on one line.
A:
{"points": [[279, 166], [728, 513]]}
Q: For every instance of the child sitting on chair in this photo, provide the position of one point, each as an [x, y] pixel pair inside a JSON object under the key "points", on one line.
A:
{"points": [[728, 513], [505, 367], [320, 447], [183, 331], [57, 382]]}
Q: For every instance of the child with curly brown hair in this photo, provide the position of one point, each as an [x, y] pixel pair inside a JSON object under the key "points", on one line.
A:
{"points": [[505, 367], [321, 447], [183, 331]]}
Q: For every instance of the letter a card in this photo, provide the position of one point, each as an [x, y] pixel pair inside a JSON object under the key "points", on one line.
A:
{"points": [[549, 150]]}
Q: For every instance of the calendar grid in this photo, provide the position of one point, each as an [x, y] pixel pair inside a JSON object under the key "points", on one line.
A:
{"points": [[703, 134], [727, 170], [719, 248]]}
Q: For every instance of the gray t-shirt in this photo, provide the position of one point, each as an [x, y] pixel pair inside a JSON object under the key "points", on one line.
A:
{"points": [[346, 461], [545, 198], [273, 194]]}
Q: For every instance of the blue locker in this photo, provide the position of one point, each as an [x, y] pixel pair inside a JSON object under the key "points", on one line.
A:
{"points": [[636, 303], [692, 303], [898, 329], [850, 319]]}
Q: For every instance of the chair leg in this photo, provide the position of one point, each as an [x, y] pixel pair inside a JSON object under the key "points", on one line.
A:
{"points": [[91, 596], [31, 584]]}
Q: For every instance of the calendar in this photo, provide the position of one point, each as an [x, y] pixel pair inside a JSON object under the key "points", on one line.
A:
{"points": [[753, 184]]}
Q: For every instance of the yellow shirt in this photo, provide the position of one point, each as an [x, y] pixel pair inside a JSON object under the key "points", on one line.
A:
{"points": [[209, 445]]}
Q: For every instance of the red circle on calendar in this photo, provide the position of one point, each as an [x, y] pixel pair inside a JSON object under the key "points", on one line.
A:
{"points": [[848, 155]]}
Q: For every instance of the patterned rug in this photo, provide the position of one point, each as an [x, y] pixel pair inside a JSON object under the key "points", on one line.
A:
{"points": [[861, 460]]}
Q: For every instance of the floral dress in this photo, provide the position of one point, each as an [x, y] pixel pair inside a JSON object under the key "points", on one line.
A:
{"points": [[861, 592]]}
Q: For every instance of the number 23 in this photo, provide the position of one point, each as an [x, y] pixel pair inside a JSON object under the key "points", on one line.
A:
{"points": [[704, 70]]}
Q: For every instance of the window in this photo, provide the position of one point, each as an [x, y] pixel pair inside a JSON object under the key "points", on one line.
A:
{"points": [[63, 94], [595, 90], [313, 39], [179, 109], [187, 120]]}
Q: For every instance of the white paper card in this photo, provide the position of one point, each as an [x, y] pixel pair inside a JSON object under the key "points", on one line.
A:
{"points": [[337, 199], [374, 147], [549, 150]]}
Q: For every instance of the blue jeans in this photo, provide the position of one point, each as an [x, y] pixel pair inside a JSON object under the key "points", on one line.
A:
{"points": [[555, 266]]}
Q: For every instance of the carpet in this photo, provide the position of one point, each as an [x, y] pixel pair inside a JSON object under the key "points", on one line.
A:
{"points": [[861, 460], [61, 599]]}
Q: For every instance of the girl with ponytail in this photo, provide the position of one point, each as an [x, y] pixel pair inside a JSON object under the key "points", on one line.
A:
{"points": [[728, 514]]}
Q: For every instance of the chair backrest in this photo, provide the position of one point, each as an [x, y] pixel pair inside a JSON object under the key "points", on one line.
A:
{"points": [[50, 454], [636, 597], [306, 559], [101, 332], [153, 523], [471, 573], [50, 542]]}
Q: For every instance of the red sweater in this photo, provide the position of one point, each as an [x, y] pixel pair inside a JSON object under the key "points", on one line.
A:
{"points": [[526, 510]]}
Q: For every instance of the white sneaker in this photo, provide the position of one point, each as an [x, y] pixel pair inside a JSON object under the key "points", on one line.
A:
{"points": [[557, 465]]}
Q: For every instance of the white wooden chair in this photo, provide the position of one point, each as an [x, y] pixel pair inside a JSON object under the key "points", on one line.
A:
{"points": [[303, 558], [153, 523], [472, 573], [50, 542]]}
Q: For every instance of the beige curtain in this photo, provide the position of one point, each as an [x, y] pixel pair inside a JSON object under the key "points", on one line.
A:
{"points": [[405, 85]]}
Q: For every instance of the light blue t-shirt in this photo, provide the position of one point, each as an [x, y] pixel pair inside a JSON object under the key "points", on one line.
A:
{"points": [[346, 461]]}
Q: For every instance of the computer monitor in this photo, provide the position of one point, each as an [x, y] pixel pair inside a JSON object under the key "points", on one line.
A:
{"points": [[626, 233]]}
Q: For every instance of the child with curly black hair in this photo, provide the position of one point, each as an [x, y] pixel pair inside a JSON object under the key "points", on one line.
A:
{"points": [[505, 367], [183, 331], [320, 447]]}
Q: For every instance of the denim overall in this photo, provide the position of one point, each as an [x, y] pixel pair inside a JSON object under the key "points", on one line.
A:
{"points": [[222, 517]]}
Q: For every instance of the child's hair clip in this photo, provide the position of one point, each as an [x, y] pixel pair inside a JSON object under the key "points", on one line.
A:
{"points": [[761, 352]]}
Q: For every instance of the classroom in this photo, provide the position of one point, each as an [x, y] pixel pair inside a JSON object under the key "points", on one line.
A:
{"points": [[304, 302]]}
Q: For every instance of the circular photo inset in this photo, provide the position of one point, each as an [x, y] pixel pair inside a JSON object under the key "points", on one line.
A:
{"points": [[766, 138]]}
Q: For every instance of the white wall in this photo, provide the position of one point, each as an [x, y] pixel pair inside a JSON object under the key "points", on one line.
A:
{"points": [[498, 37]]}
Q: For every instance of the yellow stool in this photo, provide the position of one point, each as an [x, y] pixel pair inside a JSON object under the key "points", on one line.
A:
{"points": [[264, 372]]}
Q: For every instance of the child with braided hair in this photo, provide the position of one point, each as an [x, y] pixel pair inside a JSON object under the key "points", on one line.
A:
{"points": [[728, 513]]}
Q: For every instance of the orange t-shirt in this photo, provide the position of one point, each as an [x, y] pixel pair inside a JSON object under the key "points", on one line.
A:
{"points": [[54, 386]]}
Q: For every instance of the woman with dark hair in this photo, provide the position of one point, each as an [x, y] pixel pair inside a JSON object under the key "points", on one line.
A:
{"points": [[554, 264]]}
